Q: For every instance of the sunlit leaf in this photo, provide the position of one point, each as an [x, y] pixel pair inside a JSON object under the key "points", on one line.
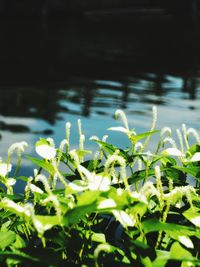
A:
{"points": [[195, 157], [153, 225], [19, 242], [44, 223], [193, 215], [138, 137], [45, 149], [98, 237], [124, 218], [119, 129], [42, 164], [107, 204], [183, 239], [82, 153], [194, 148], [6, 238], [179, 253], [172, 151], [10, 205], [76, 186], [161, 259]]}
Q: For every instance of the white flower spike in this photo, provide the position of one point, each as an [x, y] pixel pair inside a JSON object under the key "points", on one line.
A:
{"points": [[4, 169], [19, 146]]}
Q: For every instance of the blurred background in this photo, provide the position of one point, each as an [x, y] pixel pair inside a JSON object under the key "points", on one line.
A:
{"points": [[64, 60]]}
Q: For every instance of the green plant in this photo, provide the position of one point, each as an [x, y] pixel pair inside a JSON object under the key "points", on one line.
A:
{"points": [[123, 207]]}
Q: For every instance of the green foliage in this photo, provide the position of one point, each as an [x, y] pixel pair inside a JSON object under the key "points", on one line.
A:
{"points": [[122, 207]]}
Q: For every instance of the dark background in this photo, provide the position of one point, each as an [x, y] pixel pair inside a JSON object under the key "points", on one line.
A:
{"points": [[48, 42]]}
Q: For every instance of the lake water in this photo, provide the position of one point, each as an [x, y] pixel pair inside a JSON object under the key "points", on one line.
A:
{"points": [[66, 70]]}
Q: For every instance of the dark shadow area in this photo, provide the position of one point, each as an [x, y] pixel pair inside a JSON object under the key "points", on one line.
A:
{"points": [[97, 46], [87, 60]]}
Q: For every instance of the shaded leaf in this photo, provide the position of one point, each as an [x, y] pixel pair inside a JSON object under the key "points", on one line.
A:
{"points": [[90, 164], [18, 255], [73, 216], [140, 175]]}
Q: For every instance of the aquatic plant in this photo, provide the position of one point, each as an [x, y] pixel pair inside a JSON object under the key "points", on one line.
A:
{"points": [[122, 207]]}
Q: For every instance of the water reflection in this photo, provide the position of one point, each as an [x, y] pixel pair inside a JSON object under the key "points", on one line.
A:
{"points": [[35, 112]]}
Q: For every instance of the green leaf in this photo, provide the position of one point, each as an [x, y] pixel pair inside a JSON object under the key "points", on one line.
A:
{"points": [[124, 218], [139, 208], [87, 198], [192, 170], [19, 242], [90, 164], [183, 239], [140, 175], [194, 148], [121, 199], [98, 237], [42, 164], [111, 149], [73, 216], [177, 176], [146, 262], [168, 161], [42, 141], [76, 186], [16, 197], [115, 251], [177, 252], [18, 255], [138, 137], [6, 239], [23, 178], [86, 204], [44, 223], [82, 153], [161, 259], [154, 225], [193, 215]]}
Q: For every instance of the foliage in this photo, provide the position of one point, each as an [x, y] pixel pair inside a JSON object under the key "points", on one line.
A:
{"points": [[122, 207]]}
